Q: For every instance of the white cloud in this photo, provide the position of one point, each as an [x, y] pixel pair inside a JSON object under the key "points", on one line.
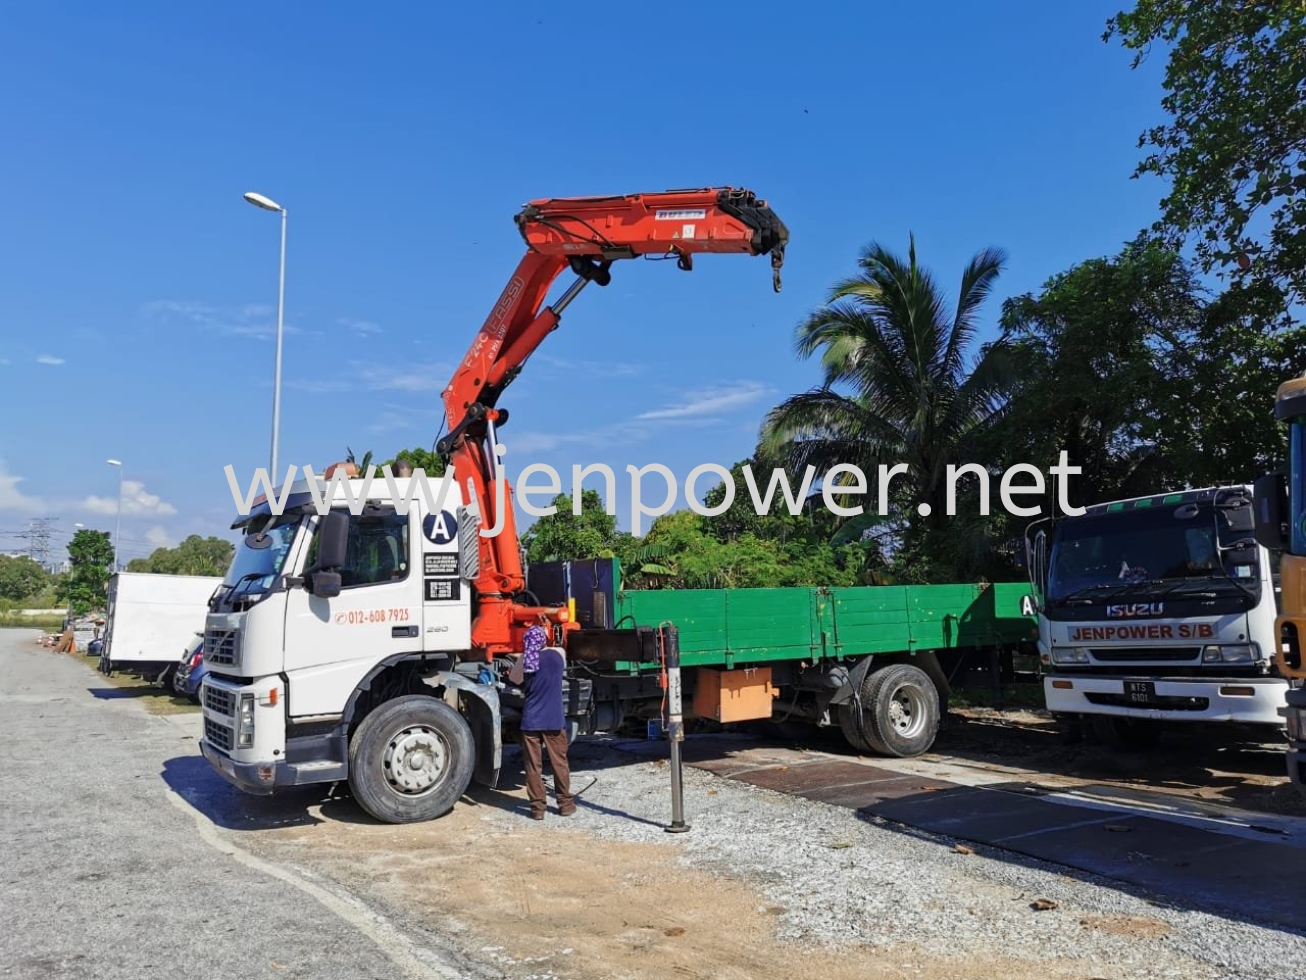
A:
{"points": [[13, 499], [589, 369], [254, 320], [49, 359], [158, 537], [413, 377], [709, 401], [364, 328], [135, 501], [320, 386], [407, 377]]}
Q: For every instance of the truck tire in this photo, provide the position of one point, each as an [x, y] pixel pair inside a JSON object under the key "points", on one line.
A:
{"points": [[1126, 733], [411, 760], [900, 712]]}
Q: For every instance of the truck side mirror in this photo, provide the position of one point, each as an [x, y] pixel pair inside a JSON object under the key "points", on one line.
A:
{"points": [[333, 540], [326, 584], [1270, 509], [332, 548]]}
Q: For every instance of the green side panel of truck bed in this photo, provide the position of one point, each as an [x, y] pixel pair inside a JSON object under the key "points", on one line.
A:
{"points": [[731, 627]]}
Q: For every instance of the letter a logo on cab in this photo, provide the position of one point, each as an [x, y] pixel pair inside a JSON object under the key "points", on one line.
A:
{"points": [[1027, 607], [440, 528]]}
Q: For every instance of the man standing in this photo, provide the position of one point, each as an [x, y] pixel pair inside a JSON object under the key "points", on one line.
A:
{"points": [[543, 722]]}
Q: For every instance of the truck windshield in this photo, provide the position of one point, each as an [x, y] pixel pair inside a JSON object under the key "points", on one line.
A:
{"points": [[1161, 550], [261, 554]]}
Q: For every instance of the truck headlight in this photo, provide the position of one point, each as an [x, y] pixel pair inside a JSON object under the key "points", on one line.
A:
{"points": [[245, 722], [1069, 655], [1231, 653]]}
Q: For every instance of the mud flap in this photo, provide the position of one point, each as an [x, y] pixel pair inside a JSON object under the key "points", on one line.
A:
{"points": [[480, 704]]}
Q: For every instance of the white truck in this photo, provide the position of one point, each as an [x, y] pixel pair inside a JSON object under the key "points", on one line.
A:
{"points": [[369, 643], [151, 618], [1154, 610]]}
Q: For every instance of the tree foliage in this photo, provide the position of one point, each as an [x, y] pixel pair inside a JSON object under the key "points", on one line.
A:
{"points": [[1234, 150], [194, 556], [419, 459], [21, 578], [84, 588], [901, 383], [1140, 375]]}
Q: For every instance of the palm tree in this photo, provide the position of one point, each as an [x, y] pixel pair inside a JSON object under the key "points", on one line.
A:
{"points": [[887, 338]]}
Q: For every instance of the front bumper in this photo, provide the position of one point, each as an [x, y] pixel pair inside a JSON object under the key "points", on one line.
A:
{"points": [[1176, 699], [265, 778], [259, 778]]}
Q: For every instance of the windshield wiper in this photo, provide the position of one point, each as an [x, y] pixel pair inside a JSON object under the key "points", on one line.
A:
{"points": [[1078, 597]]}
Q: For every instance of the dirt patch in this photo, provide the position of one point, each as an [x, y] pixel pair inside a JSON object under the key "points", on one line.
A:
{"points": [[1129, 926], [544, 901]]}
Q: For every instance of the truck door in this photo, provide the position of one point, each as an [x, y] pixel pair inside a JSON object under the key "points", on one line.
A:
{"points": [[331, 643]]}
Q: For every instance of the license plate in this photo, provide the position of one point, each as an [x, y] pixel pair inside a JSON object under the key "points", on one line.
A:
{"points": [[1140, 692]]}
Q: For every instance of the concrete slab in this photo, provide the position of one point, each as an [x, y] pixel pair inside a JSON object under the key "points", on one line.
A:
{"points": [[864, 795]]}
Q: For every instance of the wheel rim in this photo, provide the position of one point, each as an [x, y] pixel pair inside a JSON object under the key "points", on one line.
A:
{"points": [[907, 712], [416, 759]]}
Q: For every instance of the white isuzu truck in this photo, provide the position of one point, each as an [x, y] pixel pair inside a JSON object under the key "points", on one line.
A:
{"points": [[1157, 610]]}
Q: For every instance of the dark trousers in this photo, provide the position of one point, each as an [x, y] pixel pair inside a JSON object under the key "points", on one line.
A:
{"points": [[533, 746]]}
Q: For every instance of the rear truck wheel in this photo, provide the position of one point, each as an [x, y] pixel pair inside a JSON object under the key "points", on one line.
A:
{"points": [[411, 760], [899, 712], [1126, 733]]}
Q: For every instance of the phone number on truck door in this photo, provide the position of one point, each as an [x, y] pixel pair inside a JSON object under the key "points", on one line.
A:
{"points": [[360, 616]]}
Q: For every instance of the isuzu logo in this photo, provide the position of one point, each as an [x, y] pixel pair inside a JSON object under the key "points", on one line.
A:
{"points": [[1134, 609]]}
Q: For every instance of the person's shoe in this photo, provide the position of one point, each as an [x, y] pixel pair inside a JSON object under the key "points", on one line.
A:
{"points": [[537, 815], [567, 811]]}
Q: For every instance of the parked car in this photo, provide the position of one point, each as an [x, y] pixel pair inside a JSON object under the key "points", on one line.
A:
{"points": [[191, 670]]}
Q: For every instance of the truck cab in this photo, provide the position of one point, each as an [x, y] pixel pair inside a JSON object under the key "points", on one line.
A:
{"points": [[339, 599], [1157, 609]]}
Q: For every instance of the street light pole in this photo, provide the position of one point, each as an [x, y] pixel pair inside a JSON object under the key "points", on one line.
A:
{"points": [[267, 204], [117, 527]]}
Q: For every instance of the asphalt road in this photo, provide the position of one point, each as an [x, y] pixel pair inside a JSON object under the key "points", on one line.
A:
{"points": [[107, 873]]}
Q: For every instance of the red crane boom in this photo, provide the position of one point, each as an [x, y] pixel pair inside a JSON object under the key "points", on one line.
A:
{"points": [[586, 235]]}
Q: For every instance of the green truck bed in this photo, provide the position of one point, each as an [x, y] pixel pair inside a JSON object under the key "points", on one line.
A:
{"points": [[727, 627]]}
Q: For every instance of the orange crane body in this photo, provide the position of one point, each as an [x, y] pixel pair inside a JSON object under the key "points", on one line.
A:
{"points": [[586, 235]]}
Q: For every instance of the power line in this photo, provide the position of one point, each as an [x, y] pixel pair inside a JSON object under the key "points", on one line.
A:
{"points": [[38, 540]]}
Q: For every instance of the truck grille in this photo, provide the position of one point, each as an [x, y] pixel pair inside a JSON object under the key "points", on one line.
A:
{"points": [[218, 734], [220, 647], [1116, 655], [223, 702]]}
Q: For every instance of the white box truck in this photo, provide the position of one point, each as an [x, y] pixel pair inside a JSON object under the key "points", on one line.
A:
{"points": [[151, 620]]}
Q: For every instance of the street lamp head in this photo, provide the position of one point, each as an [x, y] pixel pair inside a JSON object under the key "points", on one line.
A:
{"points": [[114, 462], [266, 203]]}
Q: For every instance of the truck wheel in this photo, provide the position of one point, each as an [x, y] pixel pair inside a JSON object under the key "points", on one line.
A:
{"points": [[1126, 733], [847, 716], [411, 760], [900, 712]]}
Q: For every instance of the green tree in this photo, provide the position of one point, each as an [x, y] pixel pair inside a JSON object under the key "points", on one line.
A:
{"points": [[84, 588], [1129, 365], [565, 536], [1234, 149], [194, 556], [21, 578], [1094, 351], [419, 459], [899, 386]]}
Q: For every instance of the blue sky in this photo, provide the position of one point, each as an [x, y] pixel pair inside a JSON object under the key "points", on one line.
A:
{"points": [[139, 299]]}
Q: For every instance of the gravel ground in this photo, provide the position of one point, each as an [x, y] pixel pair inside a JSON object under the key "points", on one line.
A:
{"points": [[763, 884], [843, 879]]}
